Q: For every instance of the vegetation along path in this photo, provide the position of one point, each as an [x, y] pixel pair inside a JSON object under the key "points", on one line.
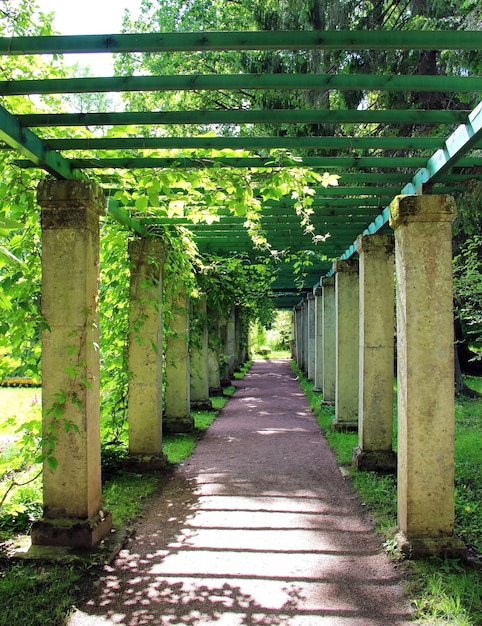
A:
{"points": [[257, 527]]}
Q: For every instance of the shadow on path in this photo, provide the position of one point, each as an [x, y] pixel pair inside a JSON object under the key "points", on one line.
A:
{"points": [[257, 527]]}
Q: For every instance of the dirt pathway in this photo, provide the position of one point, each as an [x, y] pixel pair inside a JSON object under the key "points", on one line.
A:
{"points": [[257, 527]]}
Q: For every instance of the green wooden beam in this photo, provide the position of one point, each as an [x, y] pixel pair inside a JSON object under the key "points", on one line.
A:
{"points": [[233, 82], [122, 216], [25, 142], [241, 116], [245, 40], [247, 143], [328, 163]]}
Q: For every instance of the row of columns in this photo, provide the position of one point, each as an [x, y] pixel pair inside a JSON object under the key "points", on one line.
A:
{"points": [[354, 362], [194, 366]]}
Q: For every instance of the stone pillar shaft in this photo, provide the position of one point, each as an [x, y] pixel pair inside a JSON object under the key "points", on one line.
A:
{"points": [[375, 407], [347, 323], [298, 334], [145, 351], [199, 356], [311, 336], [177, 417], [70, 364], [423, 253], [329, 339], [304, 331], [318, 378]]}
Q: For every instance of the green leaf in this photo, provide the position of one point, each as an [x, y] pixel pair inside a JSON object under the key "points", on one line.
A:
{"points": [[52, 463], [142, 203]]}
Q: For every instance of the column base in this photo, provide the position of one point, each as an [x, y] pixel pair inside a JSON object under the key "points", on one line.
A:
{"points": [[344, 427], [72, 532], [448, 546], [216, 391], [327, 403], [143, 463], [175, 425], [201, 405], [374, 460]]}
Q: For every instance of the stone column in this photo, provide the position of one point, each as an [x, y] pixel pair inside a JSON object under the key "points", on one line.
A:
{"points": [[329, 339], [298, 334], [318, 379], [347, 305], [199, 356], [72, 508], [177, 417], [311, 337], [238, 331], [377, 313], [425, 351], [304, 335], [145, 355], [293, 335], [230, 344], [214, 343]]}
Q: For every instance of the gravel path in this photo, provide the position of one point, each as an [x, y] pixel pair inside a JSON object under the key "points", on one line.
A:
{"points": [[258, 527]]}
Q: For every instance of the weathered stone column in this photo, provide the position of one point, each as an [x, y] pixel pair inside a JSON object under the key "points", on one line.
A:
{"points": [[177, 416], [304, 333], [377, 313], [329, 339], [238, 331], [425, 350], [72, 509], [293, 335], [311, 337], [347, 305], [199, 356], [230, 343], [298, 334], [318, 379], [145, 355], [214, 345]]}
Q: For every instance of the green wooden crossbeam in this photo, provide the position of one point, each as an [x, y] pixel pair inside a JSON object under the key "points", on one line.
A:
{"points": [[247, 143], [240, 116], [122, 215], [234, 82], [24, 141], [328, 163], [245, 40]]}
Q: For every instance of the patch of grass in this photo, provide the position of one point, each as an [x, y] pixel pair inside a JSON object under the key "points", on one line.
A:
{"points": [[445, 592], [126, 494], [38, 595], [442, 591]]}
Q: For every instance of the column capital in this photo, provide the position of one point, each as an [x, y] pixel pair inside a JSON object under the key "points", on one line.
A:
{"points": [[375, 243], [317, 292], [328, 281], [310, 296], [70, 204], [153, 246], [428, 208], [53, 194], [347, 266]]}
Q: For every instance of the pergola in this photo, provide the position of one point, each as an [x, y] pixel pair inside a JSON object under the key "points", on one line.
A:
{"points": [[372, 169], [387, 181]]}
